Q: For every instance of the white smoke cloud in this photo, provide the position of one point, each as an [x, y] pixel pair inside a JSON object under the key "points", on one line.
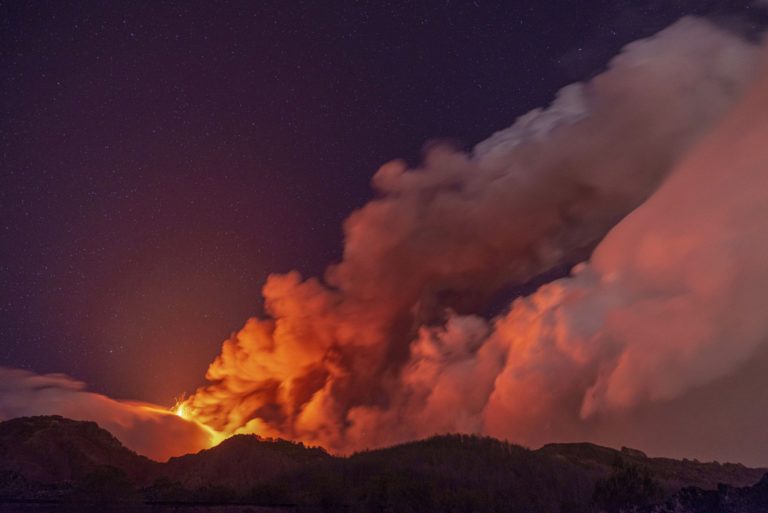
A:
{"points": [[671, 303], [690, 265], [538, 193]]}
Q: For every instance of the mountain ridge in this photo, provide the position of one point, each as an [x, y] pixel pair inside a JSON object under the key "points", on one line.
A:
{"points": [[56, 459]]}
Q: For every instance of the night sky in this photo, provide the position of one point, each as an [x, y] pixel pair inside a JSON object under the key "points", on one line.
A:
{"points": [[160, 159]]}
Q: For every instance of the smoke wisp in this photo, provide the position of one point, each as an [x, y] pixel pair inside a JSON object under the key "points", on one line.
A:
{"points": [[151, 430]]}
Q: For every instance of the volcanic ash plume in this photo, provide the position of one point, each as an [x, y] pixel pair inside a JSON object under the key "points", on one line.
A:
{"points": [[392, 343], [147, 429], [673, 299]]}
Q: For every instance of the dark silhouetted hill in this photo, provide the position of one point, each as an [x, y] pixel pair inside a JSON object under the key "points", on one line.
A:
{"points": [[240, 461], [54, 449], [671, 474], [725, 499], [52, 458]]}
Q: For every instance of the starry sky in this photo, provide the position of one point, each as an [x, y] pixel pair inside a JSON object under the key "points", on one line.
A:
{"points": [[160, 159]]}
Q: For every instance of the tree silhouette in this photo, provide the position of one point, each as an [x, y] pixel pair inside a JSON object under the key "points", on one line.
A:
{"points": [[627, 487]]}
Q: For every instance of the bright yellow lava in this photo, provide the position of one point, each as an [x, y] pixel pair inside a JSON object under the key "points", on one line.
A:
{"points": [[180, 410]]}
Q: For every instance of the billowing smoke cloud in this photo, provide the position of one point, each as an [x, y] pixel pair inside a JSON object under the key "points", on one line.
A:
{"points": [[673, 299], [147, 429], [391, 344]]}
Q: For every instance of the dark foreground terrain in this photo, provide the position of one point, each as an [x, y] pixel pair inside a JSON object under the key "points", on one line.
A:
{"points": [[52, 464]]}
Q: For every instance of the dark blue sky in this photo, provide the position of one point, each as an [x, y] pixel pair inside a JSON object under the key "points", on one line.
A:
{"points": [[159, 159]]}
